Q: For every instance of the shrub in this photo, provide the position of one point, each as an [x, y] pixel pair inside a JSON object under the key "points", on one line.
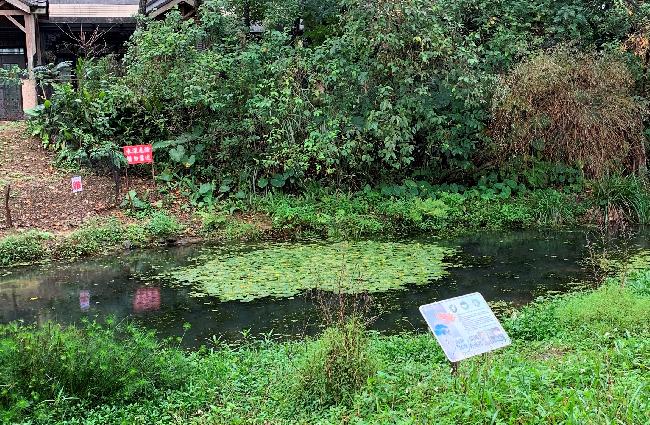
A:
{"points": [[94, 237], [23, 248], [572, 107], [336, 366], [91, 363], [162, 226]]}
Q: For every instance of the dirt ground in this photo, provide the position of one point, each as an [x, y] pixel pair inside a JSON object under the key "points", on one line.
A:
{"points": [[41, 195]]}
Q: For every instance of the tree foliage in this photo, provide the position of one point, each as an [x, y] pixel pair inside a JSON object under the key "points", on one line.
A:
{"points": [[343, 92]]}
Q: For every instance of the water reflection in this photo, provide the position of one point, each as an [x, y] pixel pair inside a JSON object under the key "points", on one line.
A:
{"points": [[146, 299], [513, 267], [84, 300]]}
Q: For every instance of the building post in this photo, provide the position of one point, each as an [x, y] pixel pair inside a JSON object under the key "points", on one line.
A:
{"points": [[30, 99]]}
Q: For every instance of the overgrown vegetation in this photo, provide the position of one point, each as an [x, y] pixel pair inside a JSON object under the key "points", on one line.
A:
{"points": [[582, 357], [574, 108], [374, 93]]}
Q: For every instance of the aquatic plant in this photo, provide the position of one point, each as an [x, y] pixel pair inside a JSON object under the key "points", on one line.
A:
{"points": [[284, 270]]}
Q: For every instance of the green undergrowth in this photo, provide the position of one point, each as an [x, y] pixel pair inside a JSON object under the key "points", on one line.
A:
{"points": [[578, 358], [323, 213], [95, 237]]}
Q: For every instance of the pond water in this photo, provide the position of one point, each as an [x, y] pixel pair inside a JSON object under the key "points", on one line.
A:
{"points": [[506, 267]]}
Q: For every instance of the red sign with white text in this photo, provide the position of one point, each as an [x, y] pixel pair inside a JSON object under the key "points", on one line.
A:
{"points": [[77, 186], [138, 154]]}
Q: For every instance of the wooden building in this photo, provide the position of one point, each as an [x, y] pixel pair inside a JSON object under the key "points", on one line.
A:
{"points": [[37, 32]]}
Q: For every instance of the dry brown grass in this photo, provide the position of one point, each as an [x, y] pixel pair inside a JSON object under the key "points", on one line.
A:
{"points": [[573, 107]]}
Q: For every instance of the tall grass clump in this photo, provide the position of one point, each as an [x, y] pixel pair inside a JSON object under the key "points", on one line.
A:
{"points": [[336, 366], [624, 197], [92, 363]]}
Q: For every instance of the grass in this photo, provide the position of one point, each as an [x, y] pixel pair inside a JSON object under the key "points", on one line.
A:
{"points": [[323, 213], [94, 237], [579, 358]]}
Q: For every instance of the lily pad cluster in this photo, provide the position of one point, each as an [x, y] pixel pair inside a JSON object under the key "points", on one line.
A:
{"points": [[284, 270]]}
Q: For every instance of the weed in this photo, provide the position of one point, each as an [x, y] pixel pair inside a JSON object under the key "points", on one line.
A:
{"points": [[93, 363], [336, 366], [162, 226]]}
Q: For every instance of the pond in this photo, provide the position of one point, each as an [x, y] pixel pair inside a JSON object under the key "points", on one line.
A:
{"points": [[225, 291]]}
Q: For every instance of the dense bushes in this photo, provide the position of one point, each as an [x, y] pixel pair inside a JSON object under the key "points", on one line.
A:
{"points": [[368, 92], [575, 108]]}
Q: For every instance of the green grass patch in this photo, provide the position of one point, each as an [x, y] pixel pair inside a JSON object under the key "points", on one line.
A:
{"points": [[22, 248], [564, 367], [93, 238]]}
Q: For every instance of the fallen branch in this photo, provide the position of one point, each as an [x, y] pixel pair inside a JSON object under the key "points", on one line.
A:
{"points": [[8, 220]]}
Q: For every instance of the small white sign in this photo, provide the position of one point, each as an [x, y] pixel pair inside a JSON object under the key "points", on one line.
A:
{"points": [[465, 326], [76, 184]]}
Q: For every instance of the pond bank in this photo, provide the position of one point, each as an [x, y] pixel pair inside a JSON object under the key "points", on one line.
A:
{"points": [[582, 358], [319, 215]]}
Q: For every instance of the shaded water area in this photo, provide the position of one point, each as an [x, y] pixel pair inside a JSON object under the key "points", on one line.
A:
{"points": [[510, 267]]}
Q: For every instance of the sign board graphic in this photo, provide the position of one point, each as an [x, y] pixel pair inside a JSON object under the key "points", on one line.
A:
{"points": [[77, 186], [138, 154], [465, 326]]}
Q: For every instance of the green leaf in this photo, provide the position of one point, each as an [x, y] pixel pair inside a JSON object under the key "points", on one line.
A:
{"points": [[262, 183]]}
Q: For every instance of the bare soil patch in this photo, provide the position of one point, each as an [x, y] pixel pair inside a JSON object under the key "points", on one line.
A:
{"points": [[41, 195]]}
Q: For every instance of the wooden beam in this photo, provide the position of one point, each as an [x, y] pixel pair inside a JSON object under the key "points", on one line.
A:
{"points": [[30, 40], [16, 23], [19, 5], [2, 3], [12, 13], [170, 5]]}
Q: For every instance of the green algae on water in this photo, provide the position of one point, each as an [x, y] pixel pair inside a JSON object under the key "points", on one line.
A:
{"points": [[287, 269]]}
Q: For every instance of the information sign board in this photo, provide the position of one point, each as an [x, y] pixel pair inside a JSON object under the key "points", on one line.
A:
{"points": [[77, 186], [465, 326]]}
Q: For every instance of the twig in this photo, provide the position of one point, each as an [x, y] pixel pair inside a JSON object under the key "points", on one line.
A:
{"points": [[10, 223]]}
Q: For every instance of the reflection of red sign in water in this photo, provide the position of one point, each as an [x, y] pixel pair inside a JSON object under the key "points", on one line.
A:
{"points": [[146, 299], [138, 154], [84, 300]]}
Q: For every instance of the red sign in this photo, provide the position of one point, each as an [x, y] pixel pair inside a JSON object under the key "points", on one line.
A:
{"points": [[138, 154], [77, 186]]}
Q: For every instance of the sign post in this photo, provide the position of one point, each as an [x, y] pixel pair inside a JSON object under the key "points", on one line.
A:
{"points": [[464, 327]]}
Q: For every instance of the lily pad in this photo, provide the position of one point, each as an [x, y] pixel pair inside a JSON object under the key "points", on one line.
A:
{"points": [[287, 269]]}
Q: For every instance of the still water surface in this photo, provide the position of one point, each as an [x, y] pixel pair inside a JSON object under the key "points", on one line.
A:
{"points": [[512, 267]]}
